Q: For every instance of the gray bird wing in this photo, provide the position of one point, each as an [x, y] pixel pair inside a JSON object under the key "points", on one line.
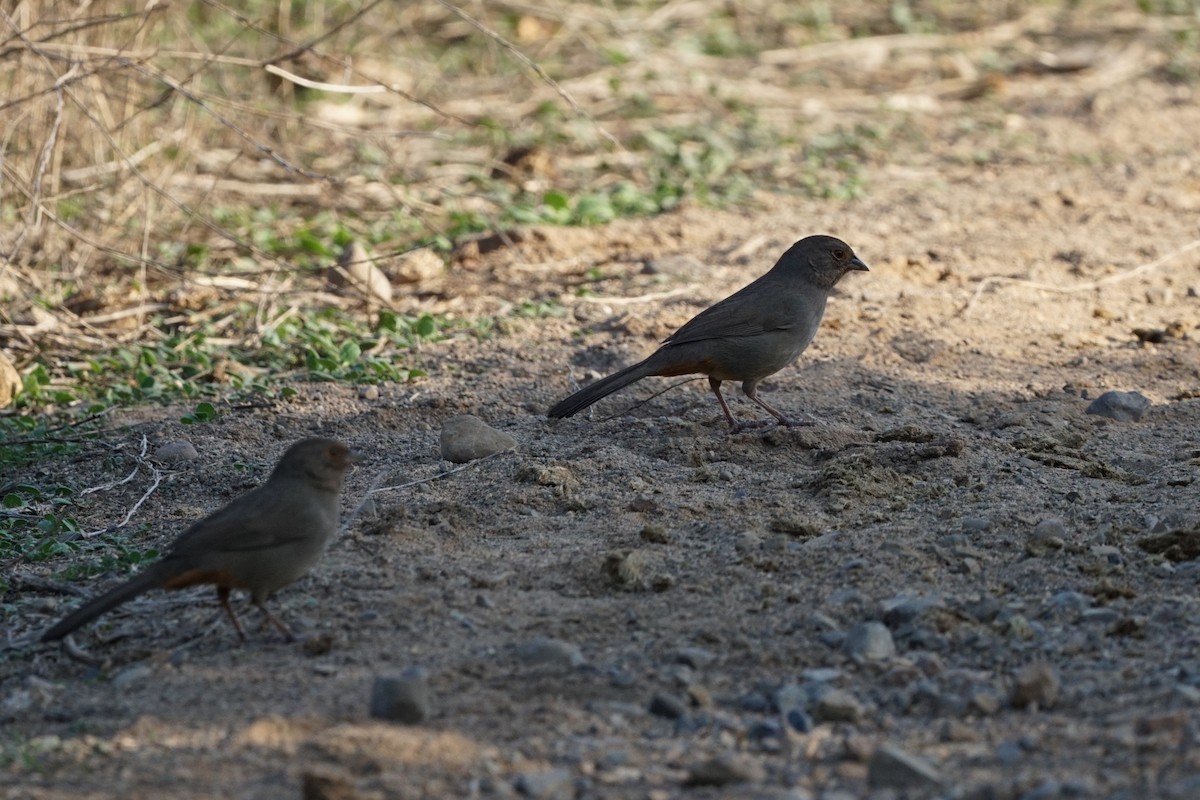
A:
{"points": [[735, 316], [258, 520]]}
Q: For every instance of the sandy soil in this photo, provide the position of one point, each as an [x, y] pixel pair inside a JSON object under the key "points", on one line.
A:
{"points": [[952, 488]]}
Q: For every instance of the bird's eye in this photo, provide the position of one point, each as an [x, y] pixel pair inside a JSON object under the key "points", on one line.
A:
{"points": [[839, 254]]}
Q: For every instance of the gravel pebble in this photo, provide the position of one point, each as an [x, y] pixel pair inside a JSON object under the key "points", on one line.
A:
{"points": [[668, 706], [404, 698], [836, 705], [131, 676], [725, 769], [548, 785], [1035, 684], [557, 652], [324, 783], [176, 452], [1049, 528], [467, 437], [870, 641], [1120, 406], [695, 657], [890, 767], [976, 525]]}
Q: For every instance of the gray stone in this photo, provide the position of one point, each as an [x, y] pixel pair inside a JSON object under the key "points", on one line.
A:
{"points": [[1121, 406], [1188, 694], [1067, 600], [976, 525], [695, 657], [1035, 684], [892, 768], [467, 437], [1050, 528], [668, 706], [822, 674], [984, 701], [176, 452], [907, 607], [790, 696], [131, 676], [1100, 616], [836, 705], [554, 652], [725, 769], [871, 641], [404, 698], [548, 785]]}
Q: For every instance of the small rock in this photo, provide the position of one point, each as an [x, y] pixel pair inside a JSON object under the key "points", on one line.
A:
{"points": [[626, 568], [871, 641], [548, 785], [695, 657], [905, 608], [1035, 684], [668, 706], [984, 701], [674, 264], [892, 768], [788, 698], [404, 698], [1069, 601], [419, 265], [800, 721], [356, 268], [1158, 296], [621, 678], [953, 730], [318, 645], [1050, 528], [131, 676], [1009, 753], [1120, 406], [1100, 616], [836, 705], [699, 696], [976, 525], [325, 784], [467, 437], [555, 652], [176, 452], [1188, 694], [655, 534], [725, 769], [368, 392]]}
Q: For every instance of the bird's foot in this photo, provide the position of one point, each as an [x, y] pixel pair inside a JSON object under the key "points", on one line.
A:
{"points": [[795, 423]]}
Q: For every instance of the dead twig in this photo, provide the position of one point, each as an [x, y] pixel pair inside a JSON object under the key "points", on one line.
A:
{"points": [[156, 480], [997, 280], [535, 68]]}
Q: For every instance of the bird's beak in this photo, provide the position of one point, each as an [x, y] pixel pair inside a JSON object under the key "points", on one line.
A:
{"points": [[856, 263]]}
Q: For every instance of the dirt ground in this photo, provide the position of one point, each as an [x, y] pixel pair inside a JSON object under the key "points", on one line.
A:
{"points": [[952, 488]]}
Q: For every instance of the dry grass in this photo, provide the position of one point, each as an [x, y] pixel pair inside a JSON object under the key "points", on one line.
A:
{"points": [[167, 166]]}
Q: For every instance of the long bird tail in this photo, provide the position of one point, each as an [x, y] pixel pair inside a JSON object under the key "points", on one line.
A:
{"points": [[600, 389], [148, 579]]}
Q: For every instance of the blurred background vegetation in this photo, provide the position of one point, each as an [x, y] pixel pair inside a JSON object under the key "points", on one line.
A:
{"points": [[178, 178]]}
